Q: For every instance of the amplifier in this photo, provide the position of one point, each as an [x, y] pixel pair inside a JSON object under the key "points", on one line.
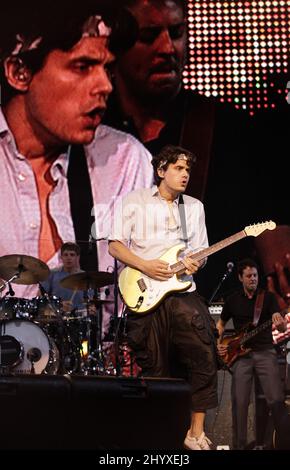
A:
{"points": [[215, 309], [93, 413]]}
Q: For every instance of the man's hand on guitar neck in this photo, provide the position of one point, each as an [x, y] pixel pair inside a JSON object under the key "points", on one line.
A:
{"points": [[157, 269], [279, 322]]}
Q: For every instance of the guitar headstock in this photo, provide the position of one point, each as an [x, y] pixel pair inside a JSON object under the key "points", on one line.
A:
{"points": [[256, 229]]}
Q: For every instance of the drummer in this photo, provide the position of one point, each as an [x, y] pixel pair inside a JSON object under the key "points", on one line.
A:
{"points": [[71, 299]]}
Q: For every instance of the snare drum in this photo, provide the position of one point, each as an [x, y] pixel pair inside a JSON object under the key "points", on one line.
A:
{"points": [[26, 348]]}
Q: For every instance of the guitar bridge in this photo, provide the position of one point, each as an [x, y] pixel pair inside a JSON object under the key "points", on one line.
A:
{"points": [[141, 284]]}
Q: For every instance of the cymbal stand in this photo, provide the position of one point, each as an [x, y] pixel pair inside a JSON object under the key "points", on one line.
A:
{"points": [[15, 276], [46, 296], [116, 321], [96, 360]]}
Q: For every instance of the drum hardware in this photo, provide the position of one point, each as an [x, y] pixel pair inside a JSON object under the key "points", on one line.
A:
{"points": [[116, 322], [6, 283], [72, 318], [48, 308], [35, 337], [94, 362], [74, 345], [70, 348], [10, 291]]}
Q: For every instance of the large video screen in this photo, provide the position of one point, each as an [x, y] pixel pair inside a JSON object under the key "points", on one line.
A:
{"points": [[238, 51]]}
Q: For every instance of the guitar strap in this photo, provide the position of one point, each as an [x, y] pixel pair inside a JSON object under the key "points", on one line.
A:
{"points": [[258, 306], [81, 203], [183, 219]]}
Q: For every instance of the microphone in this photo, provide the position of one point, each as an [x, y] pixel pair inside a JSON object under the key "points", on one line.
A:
{"points": [[230, 266], [10, 291]]}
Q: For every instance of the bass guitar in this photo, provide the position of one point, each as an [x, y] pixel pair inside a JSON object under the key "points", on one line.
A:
{"points": [[236, 344], [142, 294]]}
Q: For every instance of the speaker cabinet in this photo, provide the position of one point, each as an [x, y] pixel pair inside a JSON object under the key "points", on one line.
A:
{"points": [[33, 415], [90, 412], [129, 413]]}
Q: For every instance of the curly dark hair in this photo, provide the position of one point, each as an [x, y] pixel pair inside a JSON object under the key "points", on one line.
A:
{"points": [[246, 263], [170, 154], [60, 27]]}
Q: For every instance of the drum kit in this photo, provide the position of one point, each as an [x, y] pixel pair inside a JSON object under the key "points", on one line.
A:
{"points": [[37, 336]]}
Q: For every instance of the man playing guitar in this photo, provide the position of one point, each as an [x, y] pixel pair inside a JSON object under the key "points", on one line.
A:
{"points": [[174, 339], [257, 355]]}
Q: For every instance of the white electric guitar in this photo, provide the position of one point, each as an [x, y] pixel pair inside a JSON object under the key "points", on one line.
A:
{"points": [[142, 293]]}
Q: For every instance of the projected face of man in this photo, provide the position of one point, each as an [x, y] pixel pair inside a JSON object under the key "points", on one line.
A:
{"points": [[63, 102], [152, 68]]}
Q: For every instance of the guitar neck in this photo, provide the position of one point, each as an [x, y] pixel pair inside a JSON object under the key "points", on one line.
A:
{"points": [[178, 268], [257, 330]]}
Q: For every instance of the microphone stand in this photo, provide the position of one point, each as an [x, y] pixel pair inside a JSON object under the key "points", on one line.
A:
{"points": [[46, 296], [224, 277], [10, 291], [221, 363], [96, 357]]}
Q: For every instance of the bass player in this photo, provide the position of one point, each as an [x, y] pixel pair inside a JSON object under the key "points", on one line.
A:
{"points": [[256, 306]]}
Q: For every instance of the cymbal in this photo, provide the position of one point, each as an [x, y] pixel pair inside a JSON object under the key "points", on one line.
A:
{"points": [[87, 280], [31, 270]]}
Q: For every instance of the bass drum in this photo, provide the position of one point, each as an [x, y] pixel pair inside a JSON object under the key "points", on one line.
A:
{"points": [[26, 349]]}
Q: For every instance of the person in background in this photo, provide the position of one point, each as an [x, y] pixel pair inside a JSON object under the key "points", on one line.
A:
{"points": [[242, 307], [70, 299]]}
